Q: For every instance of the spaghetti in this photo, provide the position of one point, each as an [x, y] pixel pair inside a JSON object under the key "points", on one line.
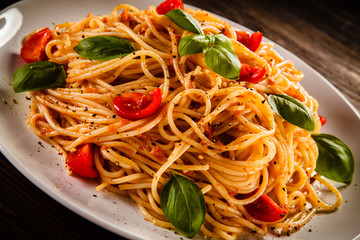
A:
{"points": [[221, 134]]}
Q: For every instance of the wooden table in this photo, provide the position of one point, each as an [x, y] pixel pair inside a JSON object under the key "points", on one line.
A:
{"points": [[323, 33]]}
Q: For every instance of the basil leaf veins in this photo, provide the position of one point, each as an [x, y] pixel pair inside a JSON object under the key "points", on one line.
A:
{"points": [[184, 20], [335, 160], [38, 75], [293, 111], [183, 205], [104, 47]]}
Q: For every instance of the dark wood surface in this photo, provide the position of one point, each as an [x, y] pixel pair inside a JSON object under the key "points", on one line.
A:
{"points": [[325, 34]]}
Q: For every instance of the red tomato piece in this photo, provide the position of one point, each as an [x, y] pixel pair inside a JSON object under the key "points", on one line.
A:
{"points": [[265, 209], [33, 49], [322, 120], [169, 5], [251, 73], [82, 162], [135, 106], [250, 40]]}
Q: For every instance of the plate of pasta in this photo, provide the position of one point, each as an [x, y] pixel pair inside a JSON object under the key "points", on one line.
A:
{"points": [[182, 124]]}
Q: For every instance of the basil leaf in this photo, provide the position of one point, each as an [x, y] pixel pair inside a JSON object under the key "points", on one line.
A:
{"points": [[222, 40], [183, 204], [293, 111], [184, 20], [193, 44], [220, 56], [223, 62], [38, 75], [104, 47], [335, 160]]}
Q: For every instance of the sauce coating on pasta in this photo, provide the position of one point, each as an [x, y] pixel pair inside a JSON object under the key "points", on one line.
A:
{"points": [[221, 134]]}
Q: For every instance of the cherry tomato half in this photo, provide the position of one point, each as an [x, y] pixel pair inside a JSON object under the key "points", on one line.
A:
{"points": [[136, 106], [265, 209], [33, 49], [169, 5], [251, 73], [250, 40], [82, 162]]}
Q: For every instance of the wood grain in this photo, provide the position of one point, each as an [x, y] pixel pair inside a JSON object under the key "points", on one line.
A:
{"points": [[325, 34]]}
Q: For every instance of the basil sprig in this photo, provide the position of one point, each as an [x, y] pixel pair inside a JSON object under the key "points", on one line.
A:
{"points": [[38, 75], [104, 47], [335, 160], [293, 111], [184, 20], [183, 205], [219, 52]]}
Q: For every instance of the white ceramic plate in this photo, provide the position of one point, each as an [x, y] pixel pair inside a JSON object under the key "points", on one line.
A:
{"points": [[43, 167]]}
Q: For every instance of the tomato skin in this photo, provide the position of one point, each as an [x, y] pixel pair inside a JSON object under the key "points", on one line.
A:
{"points": [[135, 106], [33, 49], [250, 40], [82, 162], [169, 5], [251, 73], [323, 120], [265, 209]]}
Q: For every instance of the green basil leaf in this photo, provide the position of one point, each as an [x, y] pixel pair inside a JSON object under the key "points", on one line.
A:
{"points": [[38, 75], [183, 205], [222, 40], [335, 160], [184, 20], [193, 44], [293, 111], [104, 47], [223, 62]]}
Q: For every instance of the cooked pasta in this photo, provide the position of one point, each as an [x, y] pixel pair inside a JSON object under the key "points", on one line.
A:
{"points": [[221, 134]]}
